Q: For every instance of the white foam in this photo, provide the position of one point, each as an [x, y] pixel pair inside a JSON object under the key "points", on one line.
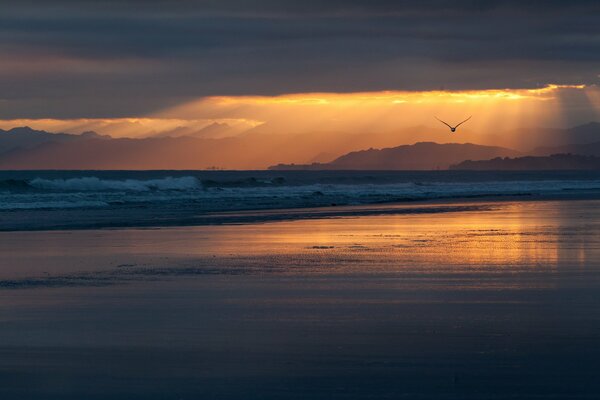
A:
{"points": [[36, 205], [187, 192], [96, 184]]}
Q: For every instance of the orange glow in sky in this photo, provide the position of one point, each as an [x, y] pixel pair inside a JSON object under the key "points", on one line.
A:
{"points": [[496, 113]]}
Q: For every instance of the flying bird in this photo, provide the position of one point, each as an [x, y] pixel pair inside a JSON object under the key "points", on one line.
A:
{"points": [[453, 128]]}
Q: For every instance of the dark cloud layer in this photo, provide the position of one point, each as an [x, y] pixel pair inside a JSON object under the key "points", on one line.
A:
{"points": [[118, 58]]}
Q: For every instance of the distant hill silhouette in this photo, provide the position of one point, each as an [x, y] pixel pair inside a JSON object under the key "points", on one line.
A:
{"points": [[25, 148], [215, 130], [589, 149], [582, 134], [552, 162], [26, 138], [419, 156], [555, 137]]}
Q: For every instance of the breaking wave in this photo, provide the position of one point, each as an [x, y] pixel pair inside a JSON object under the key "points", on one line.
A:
{"points": [[92, 184], [197, 192], [42, 205], [97, 184]]}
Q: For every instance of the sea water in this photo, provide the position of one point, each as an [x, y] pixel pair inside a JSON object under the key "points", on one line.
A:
{"points": [[82, 199]]}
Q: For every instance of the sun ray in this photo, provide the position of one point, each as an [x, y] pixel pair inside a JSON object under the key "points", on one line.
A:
{"points": [[498, 114]]}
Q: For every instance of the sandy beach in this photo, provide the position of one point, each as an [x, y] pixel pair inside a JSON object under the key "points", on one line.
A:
{"points": [[487, 302]]}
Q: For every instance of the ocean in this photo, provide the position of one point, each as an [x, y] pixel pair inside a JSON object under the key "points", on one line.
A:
{"points": [[172, 285], [32, 200]]}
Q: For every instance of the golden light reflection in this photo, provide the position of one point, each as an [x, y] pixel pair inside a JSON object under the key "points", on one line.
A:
{"points": [[509, 234], [516, 240]]}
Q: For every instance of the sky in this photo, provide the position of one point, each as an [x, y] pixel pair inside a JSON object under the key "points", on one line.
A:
{"points": [[139, 68]]}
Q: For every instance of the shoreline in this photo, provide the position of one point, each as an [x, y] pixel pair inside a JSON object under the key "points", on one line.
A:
{"points": [[258, 216]]}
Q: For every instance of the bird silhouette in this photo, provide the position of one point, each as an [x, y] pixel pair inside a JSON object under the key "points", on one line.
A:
{"points": [[453, 128]]}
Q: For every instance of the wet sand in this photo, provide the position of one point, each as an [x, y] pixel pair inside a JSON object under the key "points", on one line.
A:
{"points": [[493, 302]]}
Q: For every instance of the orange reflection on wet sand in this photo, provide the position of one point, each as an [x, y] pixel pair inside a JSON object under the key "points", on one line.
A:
{"points": [[500, 238]]}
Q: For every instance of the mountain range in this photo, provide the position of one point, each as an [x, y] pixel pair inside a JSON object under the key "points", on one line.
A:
{"points": [[552, 162], [26, 148], [420, 156], [25, 138], [531, 138], [589, 149]]}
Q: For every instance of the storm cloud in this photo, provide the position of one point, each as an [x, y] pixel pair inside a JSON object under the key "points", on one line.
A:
{"points": [[70, 59]]}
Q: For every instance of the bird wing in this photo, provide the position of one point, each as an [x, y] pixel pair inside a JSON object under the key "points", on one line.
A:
{"points": [[464, 121], [443, 122]]}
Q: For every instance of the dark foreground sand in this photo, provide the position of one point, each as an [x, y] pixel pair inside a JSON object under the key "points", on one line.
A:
{"points": [[502, 301]]}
